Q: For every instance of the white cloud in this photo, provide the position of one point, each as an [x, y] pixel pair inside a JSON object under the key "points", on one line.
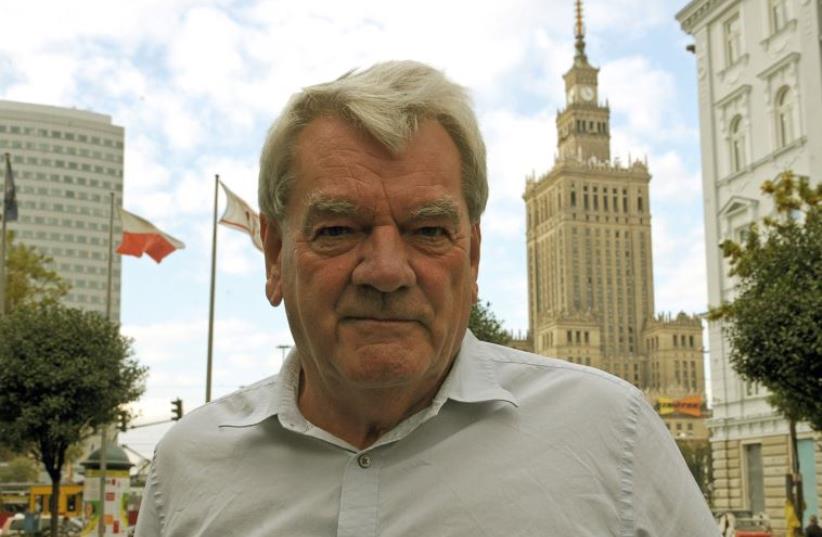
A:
{"points": [[673, 182], [237, 254], [679, 264], [158, 343], [626, 16], [45, 77], [195, 83], [243, 351], [518, 145], [204, 57], [641, 94]]}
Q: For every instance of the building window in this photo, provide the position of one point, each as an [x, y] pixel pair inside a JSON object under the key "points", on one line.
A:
{"points": [[784, 116], [733, 40], [755, 479], [778, 11], [738, 159]]}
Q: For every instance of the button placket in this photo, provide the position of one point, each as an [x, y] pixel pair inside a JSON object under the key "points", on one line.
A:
{"points": [[359, 497]]}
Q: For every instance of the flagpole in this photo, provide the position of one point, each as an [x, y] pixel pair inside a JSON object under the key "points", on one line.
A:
{"points": [[3, 262], [211, 298], [101, 521], [3, 248]]}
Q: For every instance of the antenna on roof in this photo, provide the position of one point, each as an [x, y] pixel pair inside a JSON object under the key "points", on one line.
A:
{"points": [[580, 32]]}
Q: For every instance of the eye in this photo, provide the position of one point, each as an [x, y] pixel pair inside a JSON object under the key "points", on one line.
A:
{"points": [[332, 231], [432, 232]]}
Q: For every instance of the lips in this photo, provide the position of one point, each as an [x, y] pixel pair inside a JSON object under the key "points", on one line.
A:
{"points": [[379, 319]]}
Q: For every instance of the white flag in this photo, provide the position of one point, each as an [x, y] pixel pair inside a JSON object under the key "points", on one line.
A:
{"points": [[239, 215]]}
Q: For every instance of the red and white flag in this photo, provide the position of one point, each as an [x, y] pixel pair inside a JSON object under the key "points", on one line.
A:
{"points": [[142, 237], [239, 215]]}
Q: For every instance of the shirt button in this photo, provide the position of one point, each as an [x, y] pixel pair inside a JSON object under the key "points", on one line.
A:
{"points": [[364, 461]]}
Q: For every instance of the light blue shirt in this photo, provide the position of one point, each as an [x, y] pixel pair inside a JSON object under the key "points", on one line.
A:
{"points": [[513, 444]]}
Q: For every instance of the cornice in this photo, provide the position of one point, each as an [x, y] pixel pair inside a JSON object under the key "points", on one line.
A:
{"points": [[695, 12], [744, 89], [791, 57]]}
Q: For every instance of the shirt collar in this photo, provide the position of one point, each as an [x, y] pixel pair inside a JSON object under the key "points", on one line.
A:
{"points": [[472, 379]]}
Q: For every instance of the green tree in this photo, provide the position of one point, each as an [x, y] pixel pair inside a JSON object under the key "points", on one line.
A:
{"points": [[63, 372], [20, 469], [28, 281], [773, 322], [486, 326], [698, 457], [28, 278]]}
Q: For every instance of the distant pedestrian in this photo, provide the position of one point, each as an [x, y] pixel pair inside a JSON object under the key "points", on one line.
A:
{"points": [[813, 529]]}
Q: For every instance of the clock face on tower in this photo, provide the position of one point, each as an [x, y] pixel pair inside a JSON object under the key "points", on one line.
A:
{"points": [[587, 93]]}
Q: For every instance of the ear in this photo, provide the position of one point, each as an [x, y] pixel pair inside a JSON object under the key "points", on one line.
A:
{"points": [[272, 237], [476, 239]]}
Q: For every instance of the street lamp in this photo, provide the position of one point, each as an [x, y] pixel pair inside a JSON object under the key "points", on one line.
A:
{"points": [[283, 348]]}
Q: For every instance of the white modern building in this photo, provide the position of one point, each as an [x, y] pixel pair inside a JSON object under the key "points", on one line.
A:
{"points": [[759, 69], [66, 164]]}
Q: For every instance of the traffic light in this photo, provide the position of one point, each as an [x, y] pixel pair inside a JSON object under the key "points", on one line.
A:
{"points": [[176, 409], [123, 417]]}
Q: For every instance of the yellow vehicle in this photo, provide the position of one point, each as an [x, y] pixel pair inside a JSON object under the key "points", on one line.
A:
{"points": [[35, 497]]}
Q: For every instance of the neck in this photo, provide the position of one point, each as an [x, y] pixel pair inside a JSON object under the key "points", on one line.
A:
{"points": [[360, 416]]}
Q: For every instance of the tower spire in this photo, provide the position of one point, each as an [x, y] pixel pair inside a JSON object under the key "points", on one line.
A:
{"points": [[580, 33]]}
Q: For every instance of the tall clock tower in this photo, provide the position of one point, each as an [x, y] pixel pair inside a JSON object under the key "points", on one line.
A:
{"points": [[590, 269], [589, 240], [583, 126]]}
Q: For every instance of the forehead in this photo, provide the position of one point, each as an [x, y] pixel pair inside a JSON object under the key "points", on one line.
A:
{"points": [[336, 159]]}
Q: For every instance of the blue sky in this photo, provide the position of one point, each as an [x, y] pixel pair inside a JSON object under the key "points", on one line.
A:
{"points": [[196, 84]]}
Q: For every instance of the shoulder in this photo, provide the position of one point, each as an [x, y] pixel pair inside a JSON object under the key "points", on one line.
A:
{"points": [[522, 371], [202, 426], [576, 399]]}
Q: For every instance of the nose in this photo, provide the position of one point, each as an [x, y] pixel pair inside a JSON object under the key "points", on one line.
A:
{"points": [[384, 263]]}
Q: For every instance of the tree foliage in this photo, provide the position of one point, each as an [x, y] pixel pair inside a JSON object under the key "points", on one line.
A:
{"points": [[773, 323], [20, 469], [698, 457], [63, 372], [484, 324], [29, 281]]}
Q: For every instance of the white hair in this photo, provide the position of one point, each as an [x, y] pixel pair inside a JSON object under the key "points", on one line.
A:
{"points": [[388, 101]]}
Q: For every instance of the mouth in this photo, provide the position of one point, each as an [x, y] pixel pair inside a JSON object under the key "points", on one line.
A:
{"points": [[386, 320]]}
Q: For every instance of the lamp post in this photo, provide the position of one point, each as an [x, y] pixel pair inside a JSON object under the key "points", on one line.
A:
{"points": [[284, 348]]}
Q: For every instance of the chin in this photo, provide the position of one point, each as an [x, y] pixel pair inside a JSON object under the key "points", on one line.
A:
{"points": [[386, 365]]}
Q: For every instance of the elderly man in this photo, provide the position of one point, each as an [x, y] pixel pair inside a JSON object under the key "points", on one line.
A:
{"points": [[389, 417]]}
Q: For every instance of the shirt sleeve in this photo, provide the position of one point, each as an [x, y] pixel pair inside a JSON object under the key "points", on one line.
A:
{"points": [[149, 522], [666, 500]]}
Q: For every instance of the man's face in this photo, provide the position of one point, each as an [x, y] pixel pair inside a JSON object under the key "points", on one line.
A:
{"points": [[376, 258]]}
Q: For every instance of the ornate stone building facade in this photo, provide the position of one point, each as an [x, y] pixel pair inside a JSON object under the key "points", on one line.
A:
{"points": [[590, 264], [759, 79]]}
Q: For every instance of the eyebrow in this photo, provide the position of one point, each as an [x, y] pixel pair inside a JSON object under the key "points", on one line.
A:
{"points": [[320, 205], [441, 208]]}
